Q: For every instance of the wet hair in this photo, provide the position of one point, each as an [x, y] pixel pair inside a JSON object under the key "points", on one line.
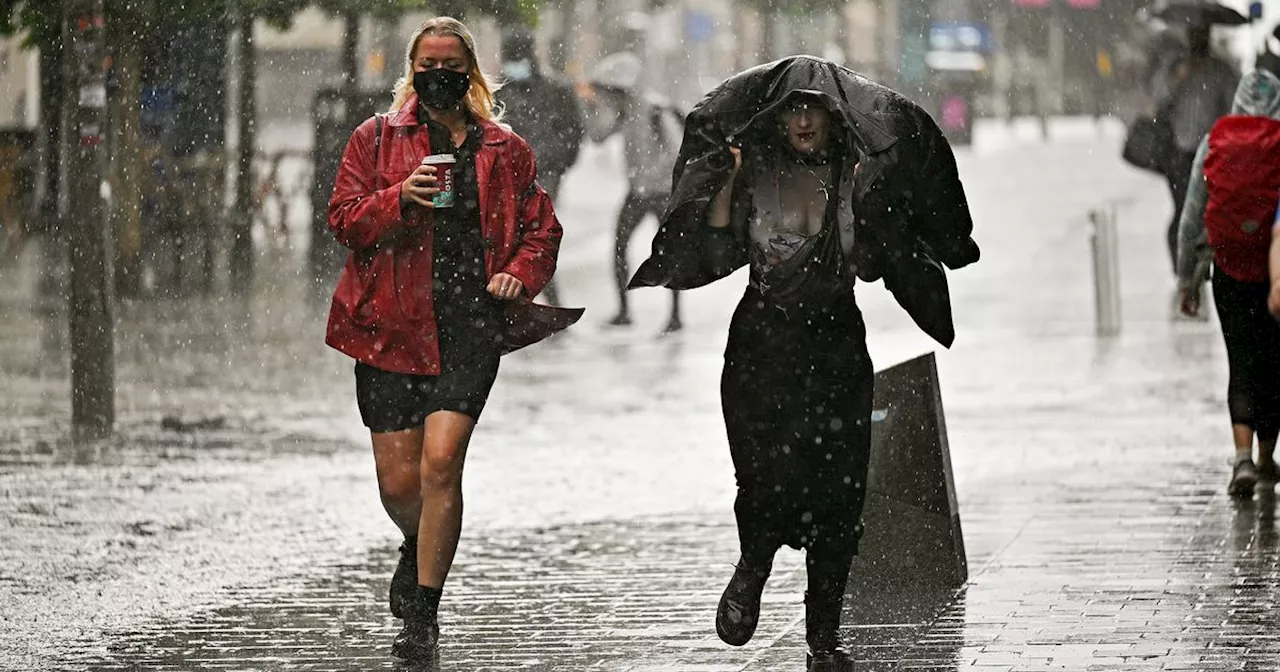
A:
{"points": [[479, 99]]}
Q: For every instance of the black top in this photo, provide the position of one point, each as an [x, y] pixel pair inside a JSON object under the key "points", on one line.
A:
{"points": [[466, 314]]}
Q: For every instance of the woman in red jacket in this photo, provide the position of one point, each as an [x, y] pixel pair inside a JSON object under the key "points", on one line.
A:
{"points": [[433, 293]]}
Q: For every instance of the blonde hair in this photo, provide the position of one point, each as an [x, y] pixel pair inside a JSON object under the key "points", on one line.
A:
{"points": [[479, 99]]}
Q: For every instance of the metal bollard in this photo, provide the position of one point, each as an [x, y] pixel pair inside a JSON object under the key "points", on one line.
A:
{"points": [[1106, 271]]}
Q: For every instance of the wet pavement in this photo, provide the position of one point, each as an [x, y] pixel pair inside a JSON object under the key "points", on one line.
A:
{"points": [[245, 532]]}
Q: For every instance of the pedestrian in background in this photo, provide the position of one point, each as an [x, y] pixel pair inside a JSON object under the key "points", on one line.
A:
{"points": [[443, 264], [545, 111], [1226, 225], [651, 131], [811, 176], [1198, 88]]}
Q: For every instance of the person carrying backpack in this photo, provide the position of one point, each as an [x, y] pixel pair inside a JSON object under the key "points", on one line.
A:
{"points": [[651, 130], [1226, 226]]}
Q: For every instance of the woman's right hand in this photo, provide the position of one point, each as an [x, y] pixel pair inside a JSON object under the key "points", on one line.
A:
{"points": [[737, 158], [419, 187]]}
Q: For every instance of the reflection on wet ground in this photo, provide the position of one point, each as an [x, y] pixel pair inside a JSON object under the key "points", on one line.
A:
{"points": [[552, 599]]}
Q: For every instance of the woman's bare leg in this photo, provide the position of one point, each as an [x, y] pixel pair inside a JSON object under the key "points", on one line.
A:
{"points": [[1266, 450], [444, 450], [397, 456]]}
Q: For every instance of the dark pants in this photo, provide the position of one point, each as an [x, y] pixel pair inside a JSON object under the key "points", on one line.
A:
{"points": [[1178, 175], [634, 209], [797, 393], [1252, 338]]}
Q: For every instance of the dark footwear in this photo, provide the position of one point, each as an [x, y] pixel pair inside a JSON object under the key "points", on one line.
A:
{"points": [[619, 320], [405, 580], [838, 660], [673, 326], [1268, 472], [1243, 477], [739, 610], [418, 642], [822, 631]]}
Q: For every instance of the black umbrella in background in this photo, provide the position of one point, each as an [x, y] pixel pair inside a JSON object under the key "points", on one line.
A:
{"points": [[1195, 12]]}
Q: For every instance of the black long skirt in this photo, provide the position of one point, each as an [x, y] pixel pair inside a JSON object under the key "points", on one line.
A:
{"points": [[797, 393]]}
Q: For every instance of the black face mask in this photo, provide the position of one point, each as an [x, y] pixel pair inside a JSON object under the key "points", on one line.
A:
{"points": [[441, 89]]}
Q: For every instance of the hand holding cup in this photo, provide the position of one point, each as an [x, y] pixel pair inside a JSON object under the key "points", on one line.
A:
{"points": [[420, 187]]}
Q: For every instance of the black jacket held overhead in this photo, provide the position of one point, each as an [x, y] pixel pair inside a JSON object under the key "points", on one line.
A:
{"points": [[909, 208]]}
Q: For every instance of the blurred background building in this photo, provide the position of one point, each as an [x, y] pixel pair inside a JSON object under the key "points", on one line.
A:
{"points": [[962, 59]]}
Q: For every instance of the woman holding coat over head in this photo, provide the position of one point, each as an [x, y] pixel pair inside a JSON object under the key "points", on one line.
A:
{"points": [[445, 259], [812, 176]]}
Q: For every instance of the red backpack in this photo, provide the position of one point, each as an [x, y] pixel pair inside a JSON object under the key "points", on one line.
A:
{"points": [[1242, 173]]}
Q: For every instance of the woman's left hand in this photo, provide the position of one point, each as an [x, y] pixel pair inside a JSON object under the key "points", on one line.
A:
{"points": [[505, 286], [1189, 302]]}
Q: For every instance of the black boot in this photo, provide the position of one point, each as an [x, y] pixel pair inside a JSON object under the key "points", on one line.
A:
{"points": [[405, 580], [822, 632], [419, 640], [739, 610], [836, 661]]}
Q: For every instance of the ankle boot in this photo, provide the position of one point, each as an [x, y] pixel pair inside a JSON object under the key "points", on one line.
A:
{"points": [[405, 580], [419, 640], [822, 633], [739, 610]]}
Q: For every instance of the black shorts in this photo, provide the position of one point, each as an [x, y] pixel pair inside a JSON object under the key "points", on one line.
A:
{"points": [[392, 402]]}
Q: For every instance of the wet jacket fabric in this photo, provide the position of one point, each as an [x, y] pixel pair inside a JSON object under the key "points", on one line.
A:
{"points": [[909, 209], [382, 311], [545, 112], [1257, 95]]}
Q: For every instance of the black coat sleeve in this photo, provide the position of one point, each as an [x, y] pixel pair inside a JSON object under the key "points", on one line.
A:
{"points": [[938, 210]]}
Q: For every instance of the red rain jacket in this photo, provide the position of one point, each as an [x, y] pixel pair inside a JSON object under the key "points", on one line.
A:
{"points": [[382, 312]]}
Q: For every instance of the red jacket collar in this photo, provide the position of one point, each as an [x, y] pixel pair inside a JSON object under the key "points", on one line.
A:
{"points": [[494, 134]]}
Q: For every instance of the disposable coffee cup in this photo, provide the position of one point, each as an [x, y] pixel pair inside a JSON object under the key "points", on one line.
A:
{"points": [[444, 178]]}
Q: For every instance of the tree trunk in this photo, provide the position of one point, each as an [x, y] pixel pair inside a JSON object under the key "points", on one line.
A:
{"points": [[129, 168], [350, 63], [241, 256], [92, 338], [53, 262]]}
